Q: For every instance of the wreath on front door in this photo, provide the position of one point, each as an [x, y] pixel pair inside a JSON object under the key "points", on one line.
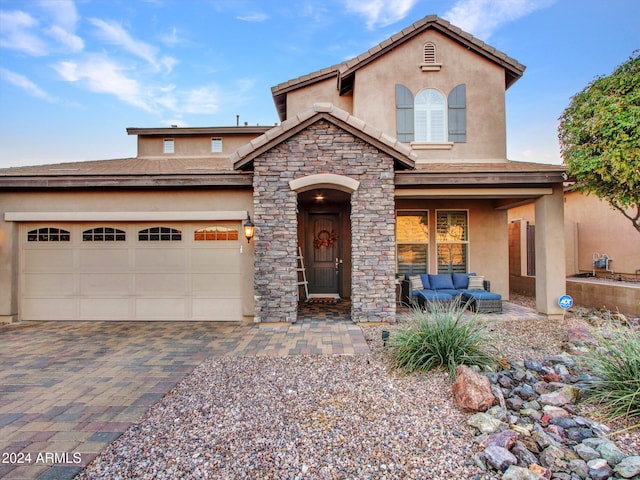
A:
{"points": [[324, 238]]}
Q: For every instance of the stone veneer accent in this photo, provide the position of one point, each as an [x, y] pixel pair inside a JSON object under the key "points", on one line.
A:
{"points": [[323, 147]]}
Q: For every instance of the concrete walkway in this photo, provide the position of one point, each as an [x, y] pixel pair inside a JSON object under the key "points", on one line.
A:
{"points": [[69, 389]]}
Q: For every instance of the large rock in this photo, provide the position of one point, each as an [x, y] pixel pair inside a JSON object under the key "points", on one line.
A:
{"points": [[471, 391], [519, 473], [485, 423], [599, 469], [629, 467], [499, 458], [505, 439]]}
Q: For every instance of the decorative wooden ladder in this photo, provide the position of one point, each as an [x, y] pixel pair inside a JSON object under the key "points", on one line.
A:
{"points": [[303, 271]]}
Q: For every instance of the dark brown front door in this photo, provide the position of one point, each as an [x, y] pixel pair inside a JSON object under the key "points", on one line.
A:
{"points": [[323, 254]]}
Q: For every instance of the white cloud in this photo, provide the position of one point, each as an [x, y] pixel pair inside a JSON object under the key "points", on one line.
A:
{"points": [[202, 100], [115, 34], [16, 33], [254, 17], [483, 17], [25, 84], [381, 13], [101, 75], [63, 13], [72, 42]]}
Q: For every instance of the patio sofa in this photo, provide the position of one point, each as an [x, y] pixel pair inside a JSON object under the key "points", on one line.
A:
{"points": [[466, 288]]}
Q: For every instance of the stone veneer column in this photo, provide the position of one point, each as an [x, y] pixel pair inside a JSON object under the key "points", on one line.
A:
{"points": [[324, 148]]}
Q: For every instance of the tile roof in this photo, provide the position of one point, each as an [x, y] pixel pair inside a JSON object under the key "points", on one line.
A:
{"points": [[127, 172], [343, 71], [401, 152]]}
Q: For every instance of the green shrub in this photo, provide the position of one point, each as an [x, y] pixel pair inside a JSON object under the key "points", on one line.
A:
{"points": [[616, 364], [440, 338]]}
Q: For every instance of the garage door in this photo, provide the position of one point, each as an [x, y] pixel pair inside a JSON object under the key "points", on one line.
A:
{"points": [[125, 271]]}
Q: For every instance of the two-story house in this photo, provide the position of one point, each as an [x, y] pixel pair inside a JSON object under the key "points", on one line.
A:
{"points": [[392, 162]]}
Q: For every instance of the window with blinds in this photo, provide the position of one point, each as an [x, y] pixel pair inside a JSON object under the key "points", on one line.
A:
{"points": [[412, 242], [430, 116], [216, 145], [169, 145], [452, 241]]}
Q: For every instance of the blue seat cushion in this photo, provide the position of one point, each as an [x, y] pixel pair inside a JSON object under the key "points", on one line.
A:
{"points": [[481, 295], [441, 281], [433, 296], [449, 291]]}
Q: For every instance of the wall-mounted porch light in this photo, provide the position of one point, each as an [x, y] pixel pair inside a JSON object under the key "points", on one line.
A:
{"points": [[249, 229]]}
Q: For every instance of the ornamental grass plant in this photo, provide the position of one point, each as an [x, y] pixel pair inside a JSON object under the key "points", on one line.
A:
{"points": [[616, 366], [440, 338]]}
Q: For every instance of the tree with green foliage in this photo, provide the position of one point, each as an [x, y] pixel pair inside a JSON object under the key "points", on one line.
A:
{"points": [[599, 137]]}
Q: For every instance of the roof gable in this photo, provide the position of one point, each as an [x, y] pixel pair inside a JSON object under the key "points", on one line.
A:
{"points": [[403, 156], [345, 71]]}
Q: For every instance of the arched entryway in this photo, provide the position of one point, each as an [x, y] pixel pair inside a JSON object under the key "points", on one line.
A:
{"points": [[324, 237]]}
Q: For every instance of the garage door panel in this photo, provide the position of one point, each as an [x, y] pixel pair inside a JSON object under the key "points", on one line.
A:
{"points": [[104, 260], [48, 260], [54, 284], [221, 260], [104, 284], [221, 284], [104, 309], [220, 309], [49, 309], [160, 308], [168, 283], [160, 259]]}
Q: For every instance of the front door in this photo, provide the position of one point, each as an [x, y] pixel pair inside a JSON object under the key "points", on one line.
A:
{"points": [[324, 260]]}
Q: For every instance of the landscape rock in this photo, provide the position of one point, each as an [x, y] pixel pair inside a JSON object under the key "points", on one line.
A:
{"points": [[599, 469], [472, 391], [628, 467], [499, 458], [518, 473], [485, 423], [536, 423]]}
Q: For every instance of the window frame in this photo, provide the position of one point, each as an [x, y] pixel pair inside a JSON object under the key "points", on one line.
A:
{"points": [[464, 242], [217, 236], [406, 212], [48, 234], [428, 134], [168, 145], [216, 144], [175, 234], [91, 235]]}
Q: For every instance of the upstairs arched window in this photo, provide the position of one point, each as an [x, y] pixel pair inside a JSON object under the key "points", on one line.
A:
{"points": [[430, 116]]}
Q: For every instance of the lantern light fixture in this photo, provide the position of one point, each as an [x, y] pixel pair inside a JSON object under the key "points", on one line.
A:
{"points": [[249, 229]]}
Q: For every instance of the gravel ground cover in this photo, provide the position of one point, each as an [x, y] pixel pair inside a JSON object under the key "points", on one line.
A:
{"points": [[319, 417]]}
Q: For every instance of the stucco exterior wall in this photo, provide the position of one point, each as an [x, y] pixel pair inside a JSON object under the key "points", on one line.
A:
{"points": [[111, 201], [488, 238], [325, 91], [192, 146], [592, 226], [486, 122], [324, 148]]}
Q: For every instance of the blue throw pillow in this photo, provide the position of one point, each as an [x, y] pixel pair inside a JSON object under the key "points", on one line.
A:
{"points": [[425, 281], [441, 281], [461, 280]]}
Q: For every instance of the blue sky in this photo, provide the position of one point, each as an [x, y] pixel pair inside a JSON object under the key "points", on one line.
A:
{"points": [[74, 74]]}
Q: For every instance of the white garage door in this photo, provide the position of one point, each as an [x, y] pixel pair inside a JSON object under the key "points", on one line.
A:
{"points": [[125, 271]]}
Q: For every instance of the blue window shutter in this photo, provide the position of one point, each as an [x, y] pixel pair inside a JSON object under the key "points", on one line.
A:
{"points": [[458, 114], [404, 114]]}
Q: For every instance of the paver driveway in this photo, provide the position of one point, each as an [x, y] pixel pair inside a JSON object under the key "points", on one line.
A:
{"points": [[68, 389]]}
